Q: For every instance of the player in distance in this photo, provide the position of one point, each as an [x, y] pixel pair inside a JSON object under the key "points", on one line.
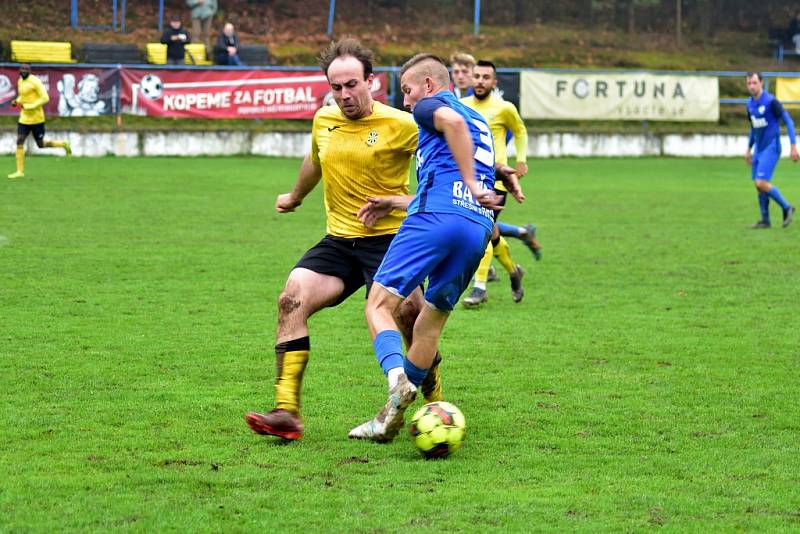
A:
{"points": [[503, 119], [31, 99], [764, 147]]}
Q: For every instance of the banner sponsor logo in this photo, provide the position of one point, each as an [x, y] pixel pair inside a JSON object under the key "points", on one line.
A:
{"points": [[73, 91], [230, 93], [623, 96]]}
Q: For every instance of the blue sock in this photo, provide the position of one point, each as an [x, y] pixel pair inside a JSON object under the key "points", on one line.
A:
{"points": [[775, 195], [509, 230], [415, 374], [388, 350], [763, 203]]}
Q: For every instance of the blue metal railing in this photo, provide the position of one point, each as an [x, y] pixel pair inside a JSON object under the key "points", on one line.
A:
{"points": [[393, 72]]}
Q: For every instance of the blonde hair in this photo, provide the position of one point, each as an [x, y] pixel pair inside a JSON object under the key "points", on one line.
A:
{"points": [[427, 65], [462, 58]]}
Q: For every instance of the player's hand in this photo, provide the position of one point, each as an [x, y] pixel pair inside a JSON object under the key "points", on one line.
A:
{"points": [[508, 176], [374, 210], [487, 198], [512, 185], [748, 158], [286, 203], [793, 153], [522, 169], [14, 103]]}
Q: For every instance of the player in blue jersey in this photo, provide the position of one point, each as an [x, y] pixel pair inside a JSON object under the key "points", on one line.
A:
{"points": [[442, 239], [765, 113]]}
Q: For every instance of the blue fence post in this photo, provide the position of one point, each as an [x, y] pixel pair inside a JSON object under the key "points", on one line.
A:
{"points": [[114, 14], [331, 12], [124, 9], [477, 18], [160, 16], [73, 14]]}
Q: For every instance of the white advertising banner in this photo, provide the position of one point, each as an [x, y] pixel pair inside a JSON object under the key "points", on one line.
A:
{"points": [[619, 96]]}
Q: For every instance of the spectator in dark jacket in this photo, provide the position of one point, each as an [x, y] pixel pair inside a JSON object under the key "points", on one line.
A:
{"points": [[176, 38], [226, 51]]}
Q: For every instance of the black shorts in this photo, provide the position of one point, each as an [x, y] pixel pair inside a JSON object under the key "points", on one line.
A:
{"points": [[503, 195], [353, 260], [25, 129]]}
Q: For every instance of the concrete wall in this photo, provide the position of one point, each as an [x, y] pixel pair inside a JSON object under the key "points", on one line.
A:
{"points": [[224, 143]]}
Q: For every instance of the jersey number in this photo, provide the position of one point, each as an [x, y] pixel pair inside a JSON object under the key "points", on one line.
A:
{"points": [[484, 152]]}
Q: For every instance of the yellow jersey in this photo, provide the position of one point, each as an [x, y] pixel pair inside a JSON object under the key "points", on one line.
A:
{"points": [[502, 116], [31, 97], [362, 158]]}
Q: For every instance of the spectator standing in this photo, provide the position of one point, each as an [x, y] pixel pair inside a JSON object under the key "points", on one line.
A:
{"points": [[226, 52], [203, 12], [176, 38]]}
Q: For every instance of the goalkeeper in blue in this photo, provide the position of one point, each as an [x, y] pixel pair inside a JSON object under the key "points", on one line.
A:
{"points": [[442, 239], [764, 148]]}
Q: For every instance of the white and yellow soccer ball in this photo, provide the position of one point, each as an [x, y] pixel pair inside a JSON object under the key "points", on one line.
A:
{"points": [[438, 429]]}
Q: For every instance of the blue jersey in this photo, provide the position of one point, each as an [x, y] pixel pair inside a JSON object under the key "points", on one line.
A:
{"points": [[440, 188], [765, 114]]}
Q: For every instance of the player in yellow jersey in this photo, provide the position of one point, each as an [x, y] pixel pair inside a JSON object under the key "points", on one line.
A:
{"points": [[502, 118], [360, 149], [31, 97]]}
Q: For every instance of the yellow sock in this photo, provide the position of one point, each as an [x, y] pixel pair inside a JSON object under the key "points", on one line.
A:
{"points": [[55, 144], [503, 255], [20, 158], [482, 274], [291, 359]]}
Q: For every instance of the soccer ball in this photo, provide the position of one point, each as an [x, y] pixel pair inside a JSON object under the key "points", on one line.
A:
{"points": [[437, 429], [151, 86]]}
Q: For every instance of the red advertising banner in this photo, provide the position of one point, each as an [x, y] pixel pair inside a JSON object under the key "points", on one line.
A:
{"points": [[73, 91], [254, 94]]}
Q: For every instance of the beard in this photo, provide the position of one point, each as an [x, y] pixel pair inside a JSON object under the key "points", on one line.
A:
{"points": [[481, 96]]}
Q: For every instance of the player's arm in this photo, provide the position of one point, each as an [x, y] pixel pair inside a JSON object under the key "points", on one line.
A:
{"points": [[41, 99], [377, 208], [308, 177], [517, 127], [781, 112], [748, 156], [456, 134]]}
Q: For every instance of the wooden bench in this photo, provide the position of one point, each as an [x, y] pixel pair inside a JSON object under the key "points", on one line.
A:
{"points": [[195, 54], [256, 54], [41, 52], [110, 53]]}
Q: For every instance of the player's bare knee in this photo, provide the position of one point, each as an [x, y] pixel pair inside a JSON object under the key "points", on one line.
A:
{"points": [[289, 300], [406, 313]]}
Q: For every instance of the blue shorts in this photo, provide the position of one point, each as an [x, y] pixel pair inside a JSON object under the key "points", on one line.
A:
{"points": [[445, 248], [765, 160]]}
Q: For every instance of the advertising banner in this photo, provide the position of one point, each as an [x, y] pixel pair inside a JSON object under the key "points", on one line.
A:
{"points": [[73, 91], [787, 90], [227, 94], [619, 96]]}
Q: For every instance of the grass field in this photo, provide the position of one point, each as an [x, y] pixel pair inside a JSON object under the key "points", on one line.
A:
{"points": [[649, 377]]}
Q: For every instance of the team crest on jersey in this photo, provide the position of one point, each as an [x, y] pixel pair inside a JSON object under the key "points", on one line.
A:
{"points": [[372, 137], [761, 109]]}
